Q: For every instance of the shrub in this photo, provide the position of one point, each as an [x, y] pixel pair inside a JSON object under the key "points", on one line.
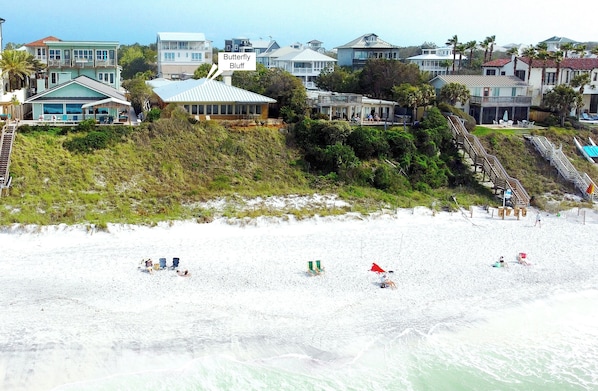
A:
{"points": [[88, 143], [153, 115]]}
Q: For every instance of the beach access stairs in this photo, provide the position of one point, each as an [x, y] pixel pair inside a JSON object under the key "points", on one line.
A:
{"points": [[490, 166], [561, 162], [9, 130]]}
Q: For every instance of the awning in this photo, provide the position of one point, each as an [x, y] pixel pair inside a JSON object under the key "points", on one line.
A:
{"points": [[108, 102]]}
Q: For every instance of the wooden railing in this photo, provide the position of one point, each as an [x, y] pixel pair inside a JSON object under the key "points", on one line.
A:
{"points": [[489, 164], [6, 140]]}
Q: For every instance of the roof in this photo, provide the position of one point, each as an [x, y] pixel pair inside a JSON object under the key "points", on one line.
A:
{"points": [[41, 42], [499, 62], [86, 82], [362, 43], [305, 55], [578, 64], [283, 51], [181, 37], [556, 39], [106, 101], [482, 81], [205, 90]]}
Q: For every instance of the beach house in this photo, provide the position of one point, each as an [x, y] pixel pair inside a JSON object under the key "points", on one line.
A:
{"points": [[436, 61], [180, 54], [354, 54]]}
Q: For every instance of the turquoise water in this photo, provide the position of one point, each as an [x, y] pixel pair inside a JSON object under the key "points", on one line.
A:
{"points": [[547, 344]]}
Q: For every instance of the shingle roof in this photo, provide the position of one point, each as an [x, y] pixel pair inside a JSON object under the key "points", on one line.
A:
{"points": [[40, 42], [361, 42], [205, 90], [500, 62], [483, 81], [577, 64]]}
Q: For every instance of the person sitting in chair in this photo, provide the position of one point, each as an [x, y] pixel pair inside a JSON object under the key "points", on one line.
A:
{"points": [[149, 266]]}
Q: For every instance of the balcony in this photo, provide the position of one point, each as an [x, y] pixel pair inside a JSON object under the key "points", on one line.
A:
{"points": [[492, 101]]}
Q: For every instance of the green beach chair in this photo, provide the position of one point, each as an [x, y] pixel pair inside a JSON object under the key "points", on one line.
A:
{"points": [[319, 267], [311, 270]]}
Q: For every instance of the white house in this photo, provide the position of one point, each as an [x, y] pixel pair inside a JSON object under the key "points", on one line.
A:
{"points": [[305, 64], [491, 96], [355, 54], [180, 54], [566, 70], [436, 61]]}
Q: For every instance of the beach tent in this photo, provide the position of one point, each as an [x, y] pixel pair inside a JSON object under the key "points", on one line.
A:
{"points": [[376, 268]]}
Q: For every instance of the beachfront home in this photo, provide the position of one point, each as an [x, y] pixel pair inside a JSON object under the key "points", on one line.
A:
{"points": [[355, 54], [67, 60], [350, 106], [77, 99], [180, 54], [211, 99], [436, 61], [245, 45], [554, 74], [304, 63], [491, 96]]}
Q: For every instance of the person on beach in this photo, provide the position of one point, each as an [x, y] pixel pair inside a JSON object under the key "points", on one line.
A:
{"points": [[149, 266], [538, 220], [501, 262], [183, 273], [386, 282]]}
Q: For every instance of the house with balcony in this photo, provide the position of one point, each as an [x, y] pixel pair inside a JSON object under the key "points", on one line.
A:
{"points": [[67, 60], [180, 54], [305, 63], [356, 53], [436, 61], [245, 45], [78, 99], [491, 96], [350, 106], [554, 74]]}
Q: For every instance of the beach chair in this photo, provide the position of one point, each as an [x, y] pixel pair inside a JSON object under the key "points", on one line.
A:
{"points": [[311, 270], [175, 263], [319, 267], [162, 263]]}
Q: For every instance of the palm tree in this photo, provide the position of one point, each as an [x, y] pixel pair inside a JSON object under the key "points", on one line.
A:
{"points": [[558, 58], [580, 80], [461, 48], [491, 41], [530, 52], [446, 64], [471, 46], [454, 41], [566, 48], [18, 65], [484, 44], [542, 54], [514, 52], [580, 49], [594, 51]]}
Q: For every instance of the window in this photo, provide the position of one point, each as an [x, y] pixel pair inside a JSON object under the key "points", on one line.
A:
{"points": [[200, 109], [550, 78], [54, 54], [106, 77], [83, 55], [53, 108], [214, 109], [490, 72], [74, 108], [196, 57], [222, 109], [53, 77], [169, 56], [102, 55]]}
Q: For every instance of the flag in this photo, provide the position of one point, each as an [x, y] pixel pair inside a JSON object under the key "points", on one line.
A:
{"points": [[376, 268], [590, 189]]}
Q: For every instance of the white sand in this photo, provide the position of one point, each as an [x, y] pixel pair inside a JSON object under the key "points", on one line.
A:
{"points": [[75, 310]]}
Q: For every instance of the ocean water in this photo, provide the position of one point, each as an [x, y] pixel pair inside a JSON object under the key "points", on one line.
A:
{"points": [[545, 344]]}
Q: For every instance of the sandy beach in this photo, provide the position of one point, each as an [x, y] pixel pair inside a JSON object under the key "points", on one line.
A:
{"points": [[76, 312]]}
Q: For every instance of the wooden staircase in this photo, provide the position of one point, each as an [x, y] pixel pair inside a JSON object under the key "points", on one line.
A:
{"points": [[6, 140], [489, 164]]}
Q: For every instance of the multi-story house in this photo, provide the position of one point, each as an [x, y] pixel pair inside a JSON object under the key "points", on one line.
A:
{"points": [[436, 61], [302, 63], [491, 96], [67, 60], [245, 45], [544, 75], [554, 43], [180, 54], [356, 53]]}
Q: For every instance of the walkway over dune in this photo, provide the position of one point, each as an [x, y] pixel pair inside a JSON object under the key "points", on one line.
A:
{"points": [[489, 164]]}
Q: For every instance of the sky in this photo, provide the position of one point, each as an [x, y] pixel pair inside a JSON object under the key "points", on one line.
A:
{"points": [[399, 22]]}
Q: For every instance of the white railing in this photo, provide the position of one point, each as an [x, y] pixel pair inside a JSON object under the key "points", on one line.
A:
{"points": [[561, 162]]}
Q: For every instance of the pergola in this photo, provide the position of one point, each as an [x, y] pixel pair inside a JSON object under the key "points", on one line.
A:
{"points": [[111, 103]]}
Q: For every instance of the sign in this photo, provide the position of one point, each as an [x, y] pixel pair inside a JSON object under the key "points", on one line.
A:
{"points": [[236, 61]]}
